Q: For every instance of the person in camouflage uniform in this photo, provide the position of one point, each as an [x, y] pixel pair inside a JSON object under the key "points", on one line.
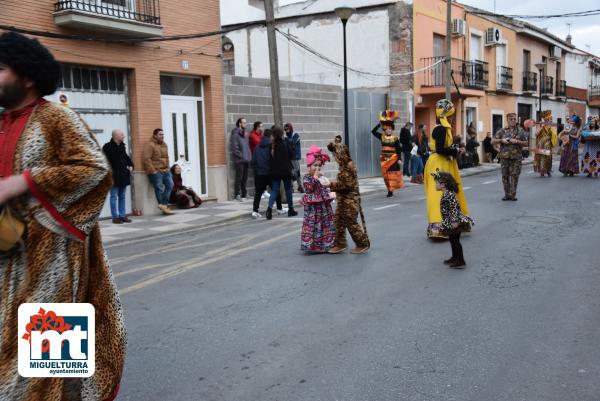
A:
{"points": [[348, 202], [512, 139]]}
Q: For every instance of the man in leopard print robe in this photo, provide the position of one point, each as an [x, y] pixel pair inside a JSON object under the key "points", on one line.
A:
{"points": [[56, 178], [348, 202]]}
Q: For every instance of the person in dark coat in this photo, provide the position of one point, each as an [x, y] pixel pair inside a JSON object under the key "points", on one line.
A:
{"points": [[241, 154], [261, 161], [488, 148], [184, 197], [406, 141], [282, 155], [121, 166]]}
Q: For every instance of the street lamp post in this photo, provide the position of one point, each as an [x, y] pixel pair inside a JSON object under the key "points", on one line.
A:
{"points": [[541, 67], [344, 13]]}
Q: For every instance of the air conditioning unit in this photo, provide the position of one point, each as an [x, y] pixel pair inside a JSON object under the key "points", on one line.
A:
{"points": [[555, 53], [458, 27], [493, 36]]}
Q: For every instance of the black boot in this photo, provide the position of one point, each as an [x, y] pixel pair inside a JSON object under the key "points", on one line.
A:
{"points": [[269, 213], [292, 212], [390, 194]]}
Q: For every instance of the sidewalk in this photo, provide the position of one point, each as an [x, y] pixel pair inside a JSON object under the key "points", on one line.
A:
{"points": [[216, 213]]}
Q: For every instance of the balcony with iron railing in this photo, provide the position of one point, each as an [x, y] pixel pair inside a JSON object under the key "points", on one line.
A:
{"points": [[548, 85], [467, 74], [529, 81], [594, 95], [561, 88], [504, 78], [120, 17]]}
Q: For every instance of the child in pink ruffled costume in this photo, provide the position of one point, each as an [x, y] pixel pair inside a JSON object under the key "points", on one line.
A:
{"points": [[318, 228]]}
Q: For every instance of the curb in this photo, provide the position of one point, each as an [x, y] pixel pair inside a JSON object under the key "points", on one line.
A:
{"points": [[165, 234]]}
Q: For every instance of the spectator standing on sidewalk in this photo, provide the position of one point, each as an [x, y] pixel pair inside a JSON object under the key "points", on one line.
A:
{"points": [[255, 136], [155, 157], [405, 141], [489, 149], [294, 139], [261, 161], [122, 166], [418, 158], [240, 151], [281, 169]]}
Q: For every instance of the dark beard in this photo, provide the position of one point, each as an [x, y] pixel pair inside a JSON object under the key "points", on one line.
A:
{"points": [[12, 95]]}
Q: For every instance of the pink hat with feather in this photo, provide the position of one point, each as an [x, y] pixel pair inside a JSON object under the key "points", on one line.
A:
{"points": [[315, 153]]}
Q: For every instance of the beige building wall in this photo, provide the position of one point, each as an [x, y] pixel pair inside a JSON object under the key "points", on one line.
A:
{"points": [[498, 100], [429, 18]]}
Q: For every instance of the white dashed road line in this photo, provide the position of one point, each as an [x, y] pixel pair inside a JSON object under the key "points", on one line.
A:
{"points": [[385, 207], [489, 182]]}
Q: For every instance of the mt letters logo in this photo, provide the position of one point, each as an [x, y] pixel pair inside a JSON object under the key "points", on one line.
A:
{"points": [[56, 340]]}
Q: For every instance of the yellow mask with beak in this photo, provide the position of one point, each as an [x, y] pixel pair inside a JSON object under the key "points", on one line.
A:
{"points": [[444, 109]]}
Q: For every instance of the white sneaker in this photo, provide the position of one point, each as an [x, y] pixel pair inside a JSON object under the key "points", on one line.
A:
{"points": [[282, 211], [244, 199], [237, 198], [256, 215]]}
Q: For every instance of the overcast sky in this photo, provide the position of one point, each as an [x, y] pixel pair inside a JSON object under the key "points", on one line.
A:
{"points": [[585, 30]]}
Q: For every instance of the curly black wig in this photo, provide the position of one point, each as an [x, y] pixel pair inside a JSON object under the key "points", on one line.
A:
{"points": [[29, 59]]}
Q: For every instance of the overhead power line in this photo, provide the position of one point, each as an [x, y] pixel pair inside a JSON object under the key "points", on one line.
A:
{"points": [[125, 40], [310, 50], [587, 13]]}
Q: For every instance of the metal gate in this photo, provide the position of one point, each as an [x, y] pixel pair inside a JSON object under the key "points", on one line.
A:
{"points": [[99, 95], [364, 108]]}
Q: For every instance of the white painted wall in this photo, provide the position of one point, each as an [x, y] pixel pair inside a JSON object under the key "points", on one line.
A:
{"points": [[577, 71], [367, 46]]}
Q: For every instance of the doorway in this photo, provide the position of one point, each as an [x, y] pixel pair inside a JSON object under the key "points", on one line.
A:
{"points": [[496, 123], [524, 112], [182, 112]]}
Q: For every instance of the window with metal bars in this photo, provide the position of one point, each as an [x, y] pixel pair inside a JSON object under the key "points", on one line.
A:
{"points": [[92, 79]]}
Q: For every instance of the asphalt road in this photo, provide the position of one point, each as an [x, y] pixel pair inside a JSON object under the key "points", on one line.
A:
{"points": [[239, 313]]}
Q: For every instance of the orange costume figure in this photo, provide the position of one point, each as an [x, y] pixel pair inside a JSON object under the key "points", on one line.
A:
{"points": [[391, 151]]}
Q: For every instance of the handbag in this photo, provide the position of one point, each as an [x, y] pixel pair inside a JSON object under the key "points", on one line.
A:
{"points": [[11, 229]]}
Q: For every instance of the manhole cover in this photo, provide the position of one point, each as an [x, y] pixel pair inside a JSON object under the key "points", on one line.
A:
{"points": [[539, 219]]}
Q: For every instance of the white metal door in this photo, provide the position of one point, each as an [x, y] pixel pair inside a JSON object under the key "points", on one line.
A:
{"points": [[180, 126]]}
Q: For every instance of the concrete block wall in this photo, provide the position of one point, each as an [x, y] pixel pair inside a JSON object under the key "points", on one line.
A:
{"points": [[401, 102], [316, 111]]}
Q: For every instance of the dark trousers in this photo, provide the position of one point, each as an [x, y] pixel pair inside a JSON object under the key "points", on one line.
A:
{"points": [[457, 251], [406, 163], [261, 182], [275, 185], [241, 177]]}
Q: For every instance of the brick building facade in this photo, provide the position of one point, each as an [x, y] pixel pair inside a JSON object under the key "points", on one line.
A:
{"points": [[131, 86]]}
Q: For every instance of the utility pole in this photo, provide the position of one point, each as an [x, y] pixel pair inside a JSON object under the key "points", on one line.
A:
{"points": [[448, 50], [274, 63]]}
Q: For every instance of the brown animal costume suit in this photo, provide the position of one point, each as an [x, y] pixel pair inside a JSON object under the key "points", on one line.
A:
{"points": [[348, 202]]}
